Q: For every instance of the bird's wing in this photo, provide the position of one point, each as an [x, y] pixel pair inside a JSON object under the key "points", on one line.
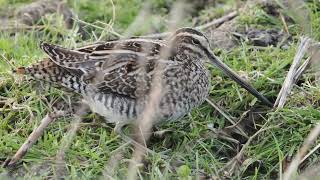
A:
{"points": [[88, 56], [127, 74]]}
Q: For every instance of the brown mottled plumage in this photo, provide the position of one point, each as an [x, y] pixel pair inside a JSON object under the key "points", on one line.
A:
{"points": [[115, 77]]}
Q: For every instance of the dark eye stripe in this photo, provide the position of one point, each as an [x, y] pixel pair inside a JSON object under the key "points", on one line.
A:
{"points": [[189, 30], [195, 41]]}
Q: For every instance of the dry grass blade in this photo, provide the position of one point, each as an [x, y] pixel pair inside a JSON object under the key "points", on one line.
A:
{"points": [[33, 137], [67, 140], [299, 11], [228, 117], [310, 153], [312, 171], [109, 168], [313, 135], [107, 27], [6, 60], [233, 164], [117, 155], [138, 22], [290, 79], [20, 27], [301, 70]]}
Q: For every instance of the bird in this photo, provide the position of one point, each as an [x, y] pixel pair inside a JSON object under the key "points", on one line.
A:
{"points": [[115, 78]]}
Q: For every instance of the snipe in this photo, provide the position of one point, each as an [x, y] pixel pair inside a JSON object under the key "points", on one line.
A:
{"points": [[115, 77]]}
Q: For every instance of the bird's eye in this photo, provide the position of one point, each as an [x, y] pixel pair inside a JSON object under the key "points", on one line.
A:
{"points": [[196, 42]]}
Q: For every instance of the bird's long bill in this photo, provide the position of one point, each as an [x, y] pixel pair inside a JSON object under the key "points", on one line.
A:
{"points": [[229, 72]]}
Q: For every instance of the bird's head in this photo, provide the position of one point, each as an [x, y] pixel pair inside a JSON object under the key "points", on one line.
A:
{"points": [[194, 42], [191, 40]]}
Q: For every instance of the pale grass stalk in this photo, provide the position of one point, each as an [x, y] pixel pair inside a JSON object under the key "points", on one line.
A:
{"points": [[109, 169], [6, 60], [115, 157], [310, 153], [288, 83], [146, 120], [113, 13], [301, 69], [138, 22], [293, 167], [312, 171], [67, 139]]}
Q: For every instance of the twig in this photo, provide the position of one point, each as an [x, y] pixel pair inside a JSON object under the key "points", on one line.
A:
{"points": [[288, 83], [302, 151], [33, 137], [214, 23]]}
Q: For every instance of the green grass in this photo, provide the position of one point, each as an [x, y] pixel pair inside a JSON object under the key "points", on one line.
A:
{"points": [[191, 148]]}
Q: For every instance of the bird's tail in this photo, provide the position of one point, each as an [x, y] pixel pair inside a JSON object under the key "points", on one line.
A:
{"points": [[48, 71]]}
